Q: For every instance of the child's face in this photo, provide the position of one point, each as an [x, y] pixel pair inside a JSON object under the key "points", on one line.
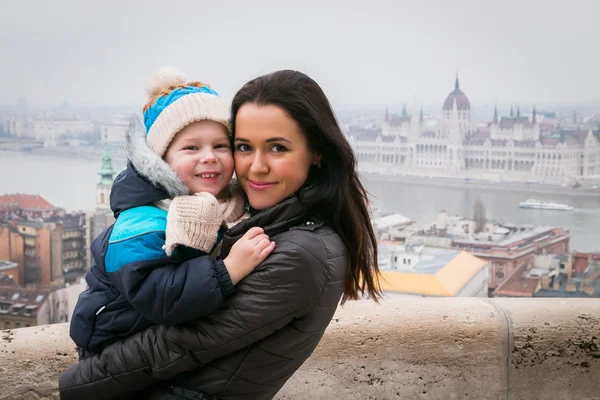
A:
{"points": [[200, 154]]}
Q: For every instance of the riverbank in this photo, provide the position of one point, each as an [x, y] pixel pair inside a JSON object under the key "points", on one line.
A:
{"points": [[587, 188], [71, 153], [459, 183]]}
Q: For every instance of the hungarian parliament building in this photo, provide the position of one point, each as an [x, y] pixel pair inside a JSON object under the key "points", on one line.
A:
{"points": [[510, 148]]}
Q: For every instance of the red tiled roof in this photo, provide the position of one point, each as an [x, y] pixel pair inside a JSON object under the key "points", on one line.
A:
{"points": [[499, 142], [25, 201], [571, 141], [481, 135], [510, 122], [397, 121], [550, 141], [517, 285], [525, 143]]}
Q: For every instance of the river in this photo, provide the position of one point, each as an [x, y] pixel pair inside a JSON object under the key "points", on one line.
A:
{"points": [[70, 183]]}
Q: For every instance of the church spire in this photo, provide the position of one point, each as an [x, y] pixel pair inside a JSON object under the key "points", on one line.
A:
{"points": [[456, 83], [387, 114], [496, 114], [534, 119], [106, 172], [518, 111], [421, 119], [511, 111], [404, 112]]}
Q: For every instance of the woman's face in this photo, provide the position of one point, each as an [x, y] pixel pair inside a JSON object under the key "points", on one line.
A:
{"points": [[272, 156]]}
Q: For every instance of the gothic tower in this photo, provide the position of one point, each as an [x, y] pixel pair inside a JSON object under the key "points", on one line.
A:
{"points": [[107, 174]]}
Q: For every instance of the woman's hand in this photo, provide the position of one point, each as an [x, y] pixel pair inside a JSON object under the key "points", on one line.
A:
{"points": [[247, 253]]}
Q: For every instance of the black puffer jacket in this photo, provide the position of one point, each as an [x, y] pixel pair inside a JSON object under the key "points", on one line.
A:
{"points": [[251, 346]]}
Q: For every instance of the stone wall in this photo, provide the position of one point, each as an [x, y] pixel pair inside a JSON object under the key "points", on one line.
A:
{"points": [[451, 348]]}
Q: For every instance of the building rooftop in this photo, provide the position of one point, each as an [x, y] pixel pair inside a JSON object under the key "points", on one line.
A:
{"points": [[7, 280], [15, 300], [520, 238], [70, 221], [390, 221], [442, 273], [6, 265], [518, 284], [32, 224], [25, 202]]}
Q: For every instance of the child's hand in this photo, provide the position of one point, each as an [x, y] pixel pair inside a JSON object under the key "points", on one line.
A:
{"points": [[247, 253], [193, 221]]}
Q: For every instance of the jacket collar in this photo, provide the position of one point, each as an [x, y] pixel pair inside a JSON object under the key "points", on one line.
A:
{"points": [[273, 220]]}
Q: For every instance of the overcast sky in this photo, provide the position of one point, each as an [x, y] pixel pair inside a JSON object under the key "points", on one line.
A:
{"points": [[372, 52]]}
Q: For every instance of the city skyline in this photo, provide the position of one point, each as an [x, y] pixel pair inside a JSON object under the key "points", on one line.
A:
{"points": [[383, 52]]}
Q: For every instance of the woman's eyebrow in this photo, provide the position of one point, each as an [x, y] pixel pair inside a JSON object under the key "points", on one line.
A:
{"points": [[273, 139], [278, 139]]}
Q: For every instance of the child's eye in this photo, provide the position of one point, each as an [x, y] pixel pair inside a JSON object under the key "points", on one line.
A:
{"points": [[192, 148], [242, 147], [278, 148], [222, 146]]}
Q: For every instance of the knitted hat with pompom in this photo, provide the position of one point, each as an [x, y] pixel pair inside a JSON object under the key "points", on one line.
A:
{"points": [[174, 103]]}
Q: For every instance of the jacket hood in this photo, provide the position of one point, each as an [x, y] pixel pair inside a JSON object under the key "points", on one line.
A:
{"points": [[147, 178]]}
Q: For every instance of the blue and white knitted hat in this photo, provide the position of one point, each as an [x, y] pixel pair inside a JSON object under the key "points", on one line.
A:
{"points": [[174, 103]]}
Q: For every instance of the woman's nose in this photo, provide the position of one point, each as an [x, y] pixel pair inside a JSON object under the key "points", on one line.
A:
{"points": [[259, 166]]}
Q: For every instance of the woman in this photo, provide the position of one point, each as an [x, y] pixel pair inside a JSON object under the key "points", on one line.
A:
{"points": [[298, 172]]}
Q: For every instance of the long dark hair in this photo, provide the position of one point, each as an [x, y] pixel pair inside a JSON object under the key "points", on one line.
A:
{"points": [[342, 200]]}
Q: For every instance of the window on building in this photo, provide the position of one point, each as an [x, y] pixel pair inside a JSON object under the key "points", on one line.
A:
{"points": [[16, 308], [6, 324], [17, 324]]}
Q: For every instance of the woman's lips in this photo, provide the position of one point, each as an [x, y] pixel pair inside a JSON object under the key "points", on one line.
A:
{"points": [[258, 185]]}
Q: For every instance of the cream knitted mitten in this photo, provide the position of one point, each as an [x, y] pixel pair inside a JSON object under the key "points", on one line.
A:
{"points": [[193, 221], [233, 206]]}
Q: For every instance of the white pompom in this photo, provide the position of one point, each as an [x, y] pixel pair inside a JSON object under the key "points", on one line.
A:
{"points": [[163, 78]]}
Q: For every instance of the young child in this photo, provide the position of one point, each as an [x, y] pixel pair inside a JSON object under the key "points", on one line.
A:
{"points": [[152, 266]]}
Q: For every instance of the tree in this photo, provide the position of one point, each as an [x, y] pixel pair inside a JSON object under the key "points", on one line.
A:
{"points": [[479, 215]]}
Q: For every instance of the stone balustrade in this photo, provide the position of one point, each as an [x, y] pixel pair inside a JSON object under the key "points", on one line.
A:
{"points": [[408, 348]]}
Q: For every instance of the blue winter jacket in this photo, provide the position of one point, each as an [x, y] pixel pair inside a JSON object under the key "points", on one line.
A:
{"points": [[132, 282]]}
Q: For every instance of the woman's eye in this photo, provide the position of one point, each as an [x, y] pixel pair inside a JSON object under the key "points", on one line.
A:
{"points": [[278, 148], [242, 147]]}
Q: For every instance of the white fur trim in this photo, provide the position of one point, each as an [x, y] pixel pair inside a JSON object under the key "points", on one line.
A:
{"points": [[184, 111], [162, 79], [148, 164]]}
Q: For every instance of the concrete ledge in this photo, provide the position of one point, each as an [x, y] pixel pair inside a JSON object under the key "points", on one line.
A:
{"points": [[451, 348]]}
